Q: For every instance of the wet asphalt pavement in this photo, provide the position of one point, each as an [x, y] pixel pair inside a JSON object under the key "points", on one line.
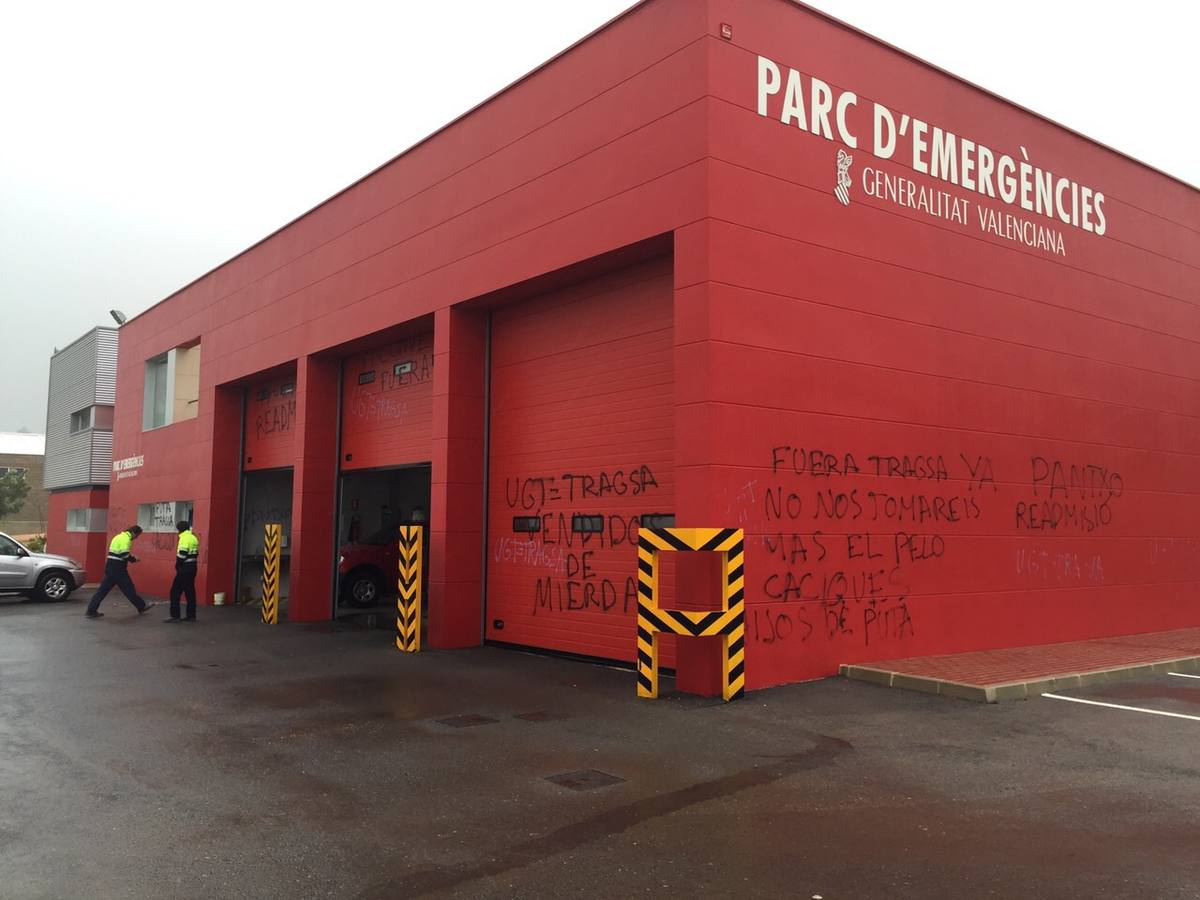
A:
{"points": [[228, 759]]}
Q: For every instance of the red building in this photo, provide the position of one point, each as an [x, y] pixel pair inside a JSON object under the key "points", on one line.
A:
{"points": [[730, 262]]}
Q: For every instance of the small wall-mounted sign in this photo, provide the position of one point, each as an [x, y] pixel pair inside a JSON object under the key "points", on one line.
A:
{"points": [[128, 467]]}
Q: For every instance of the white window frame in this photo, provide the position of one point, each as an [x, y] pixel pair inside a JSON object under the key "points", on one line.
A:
{"points": [[156, 396], [160, 517], [80, 423], [171, 389], [87, 520]]}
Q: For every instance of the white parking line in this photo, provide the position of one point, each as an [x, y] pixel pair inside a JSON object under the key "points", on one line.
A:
{"points": [[1183, 675], [1153, 712]]}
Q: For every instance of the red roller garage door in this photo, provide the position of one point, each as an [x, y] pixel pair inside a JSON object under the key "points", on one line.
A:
{"points": [[582, 437], [387, 405]]}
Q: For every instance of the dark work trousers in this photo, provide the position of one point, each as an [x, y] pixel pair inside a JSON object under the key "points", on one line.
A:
{"points": [[185, 584], [116, 574]]}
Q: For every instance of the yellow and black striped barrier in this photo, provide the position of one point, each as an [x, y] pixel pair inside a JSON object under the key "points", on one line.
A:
{"points": [[408, 603], [272, 542], [728, 623]]}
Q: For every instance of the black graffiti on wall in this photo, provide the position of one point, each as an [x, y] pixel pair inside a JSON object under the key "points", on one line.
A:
{"points": [[257, 517], [825, 581], [380, 380], [1068, 496], [571, 580], [276, 418], [533, 492]]}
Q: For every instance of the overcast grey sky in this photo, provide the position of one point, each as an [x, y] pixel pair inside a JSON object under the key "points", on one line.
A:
{"points": [[145, 143]]}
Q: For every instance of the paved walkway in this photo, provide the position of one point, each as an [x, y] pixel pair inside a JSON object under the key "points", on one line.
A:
{"points": [[1018, 672]]}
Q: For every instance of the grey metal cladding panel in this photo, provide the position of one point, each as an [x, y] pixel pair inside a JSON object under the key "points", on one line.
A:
{"points": [[101, 457], [73, 379], [71, 462], [106, 365], [73, 376]]}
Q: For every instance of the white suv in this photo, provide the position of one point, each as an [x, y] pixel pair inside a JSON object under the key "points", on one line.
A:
{"points": [[37, 575]]}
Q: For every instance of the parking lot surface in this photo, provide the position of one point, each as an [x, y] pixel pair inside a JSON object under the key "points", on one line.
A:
{"points": [[231, 759]]}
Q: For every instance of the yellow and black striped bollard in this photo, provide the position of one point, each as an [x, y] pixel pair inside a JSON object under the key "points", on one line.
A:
{"points": [[408, 602], [728, 623], [272, 541]]}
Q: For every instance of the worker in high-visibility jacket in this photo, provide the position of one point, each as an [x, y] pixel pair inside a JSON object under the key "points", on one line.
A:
{"points": [[187, 557], [116, 573]]}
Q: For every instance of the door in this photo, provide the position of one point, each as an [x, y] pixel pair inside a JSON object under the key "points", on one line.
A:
{"points": [[266, 500], [387, 405], [373, 505], [386, 447], [16, 567], [581, 446]]}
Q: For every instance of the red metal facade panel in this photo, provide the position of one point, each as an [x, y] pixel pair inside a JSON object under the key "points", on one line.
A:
{"points": [[938, 438], [165, 464], [88, 548], [581, 423], [387, 405], [270, 417]]}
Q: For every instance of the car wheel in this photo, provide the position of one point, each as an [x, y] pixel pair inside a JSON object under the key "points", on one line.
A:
{"points": [[363, 588], [53, 586]]}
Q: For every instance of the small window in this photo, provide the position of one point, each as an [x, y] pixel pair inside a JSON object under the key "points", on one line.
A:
{"points": [[12, 470], [160, 518], [527, 524], [582, 524], [657, 520], [82, 420], [286, 388], [102, 418], [87, 520], [366, 377], [172, 387]]}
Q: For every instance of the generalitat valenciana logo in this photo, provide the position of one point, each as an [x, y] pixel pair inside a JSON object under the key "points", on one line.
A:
{"points": [[842, 189]]}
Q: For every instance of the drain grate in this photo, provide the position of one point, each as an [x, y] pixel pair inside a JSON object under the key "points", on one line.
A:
{"points": [[585, 780], [467, 720], [541, 715]]}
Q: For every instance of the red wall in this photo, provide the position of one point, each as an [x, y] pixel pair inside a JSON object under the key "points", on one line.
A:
{"points": [[899, 390], [88, 548], [387, 419]]}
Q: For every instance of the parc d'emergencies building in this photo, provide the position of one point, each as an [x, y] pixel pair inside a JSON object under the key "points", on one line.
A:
{"points": [[723, 263]]}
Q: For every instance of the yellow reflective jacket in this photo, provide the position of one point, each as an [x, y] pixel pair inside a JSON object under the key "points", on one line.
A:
{"points": [[188, 549], [120, 547]]}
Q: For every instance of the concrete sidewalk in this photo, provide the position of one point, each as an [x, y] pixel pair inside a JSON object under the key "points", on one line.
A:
{"points": [[1014, 673]]}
